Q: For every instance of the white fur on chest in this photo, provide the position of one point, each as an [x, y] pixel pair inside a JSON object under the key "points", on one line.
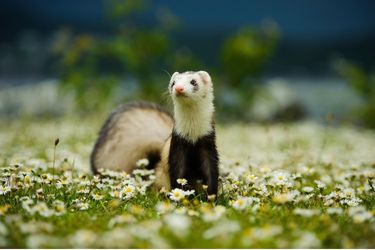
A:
{"points": [[193, 121]]}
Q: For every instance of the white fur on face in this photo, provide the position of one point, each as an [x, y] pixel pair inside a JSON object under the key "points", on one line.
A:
{"points": [[193, 110]]}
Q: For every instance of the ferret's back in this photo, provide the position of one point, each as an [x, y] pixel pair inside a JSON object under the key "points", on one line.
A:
{"points": [[133, 131]]}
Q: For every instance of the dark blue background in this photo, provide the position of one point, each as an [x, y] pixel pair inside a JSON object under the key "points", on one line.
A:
{"points": [[312, 31]]}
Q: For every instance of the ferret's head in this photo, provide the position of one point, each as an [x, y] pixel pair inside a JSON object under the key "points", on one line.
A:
{"points": [[192, 95], [190, 87]]}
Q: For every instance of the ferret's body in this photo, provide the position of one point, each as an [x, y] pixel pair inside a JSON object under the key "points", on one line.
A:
{"points": [[181, 148], [192, 161], [134, 131]]}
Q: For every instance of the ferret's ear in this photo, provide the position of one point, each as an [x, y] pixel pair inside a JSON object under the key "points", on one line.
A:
{"points": [[205, 77], [174, 74]]}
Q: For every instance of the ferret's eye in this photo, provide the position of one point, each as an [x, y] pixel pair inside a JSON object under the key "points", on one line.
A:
{"points": [[173, 84], [193, 82]]}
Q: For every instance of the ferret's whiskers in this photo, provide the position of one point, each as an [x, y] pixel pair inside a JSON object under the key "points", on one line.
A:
{"points": [[165, 97], [164, 70]]}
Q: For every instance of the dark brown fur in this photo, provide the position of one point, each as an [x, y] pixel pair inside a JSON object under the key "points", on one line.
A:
{"points": [[194, 161]]}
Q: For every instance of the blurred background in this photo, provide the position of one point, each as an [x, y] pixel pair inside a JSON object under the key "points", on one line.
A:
{"points": [[271, 61]]}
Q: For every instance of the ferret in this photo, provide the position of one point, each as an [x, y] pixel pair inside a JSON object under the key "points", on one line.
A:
{"points": [[183, 146]]}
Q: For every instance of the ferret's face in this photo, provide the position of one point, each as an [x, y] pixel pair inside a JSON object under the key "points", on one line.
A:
{"points": [[193, 86]]}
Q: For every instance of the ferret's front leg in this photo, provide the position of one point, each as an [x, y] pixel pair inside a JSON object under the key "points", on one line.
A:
{"points": [[177, 164], [210, 165]]}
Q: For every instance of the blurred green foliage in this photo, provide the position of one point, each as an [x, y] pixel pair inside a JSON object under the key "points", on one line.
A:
{"points": [[92, 68], [134, 59], [363, 83], [245, 53], [242, 59]]}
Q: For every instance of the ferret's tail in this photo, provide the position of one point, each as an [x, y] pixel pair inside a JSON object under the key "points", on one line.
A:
{"points": [[133, 131]]}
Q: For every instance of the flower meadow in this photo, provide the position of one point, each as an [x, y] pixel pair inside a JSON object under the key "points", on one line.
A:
{"points": [[299, 185]]}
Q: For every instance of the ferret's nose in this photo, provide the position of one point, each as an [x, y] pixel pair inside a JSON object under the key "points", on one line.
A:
{"points": [[179, 89]]}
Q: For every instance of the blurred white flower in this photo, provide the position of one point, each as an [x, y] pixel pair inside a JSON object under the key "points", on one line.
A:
{"points": [[3, 229], [212, 214], [180, 210], [97, 196], [267, 231], [83, 190], [304, 212], [281, 198], [142, 163], [42, 209], [182, 181], [127, 192], [83, 239], [353, 202], [241, 203], [115, 238], [179, 224], [4, 189], [307, 240], [262, 190], [191, 212], [307, 170], [320, 184], [115, 194], [82, 205], [359, 214], [211, 197], [222, 228], [281, 178], [143, 172], [164, 207], [189, 192], [59, 207], [42, 241], [121, 219], [307, 189], [334, 210], [35, 227], [347, 193], [250, 178]]}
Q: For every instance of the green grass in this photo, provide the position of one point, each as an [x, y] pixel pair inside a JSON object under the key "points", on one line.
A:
{"points": [[265, 171]]}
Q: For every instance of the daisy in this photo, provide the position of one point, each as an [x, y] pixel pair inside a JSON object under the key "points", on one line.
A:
{"points": [[82, 205], [250, 178], [121, 219], [128, 191], [189, 192], [306, 212], [115, 194], [334, 210], [142, 163], [164, 207], [177, 194], [42, 209], [307, 189], [59, 207], [320, 184], [4, 189], [182, 181], [240, 204], [281, 198], [83, 190], [281, 178], [212, 214], [97, 196], [178, 224], [211, 197]]}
